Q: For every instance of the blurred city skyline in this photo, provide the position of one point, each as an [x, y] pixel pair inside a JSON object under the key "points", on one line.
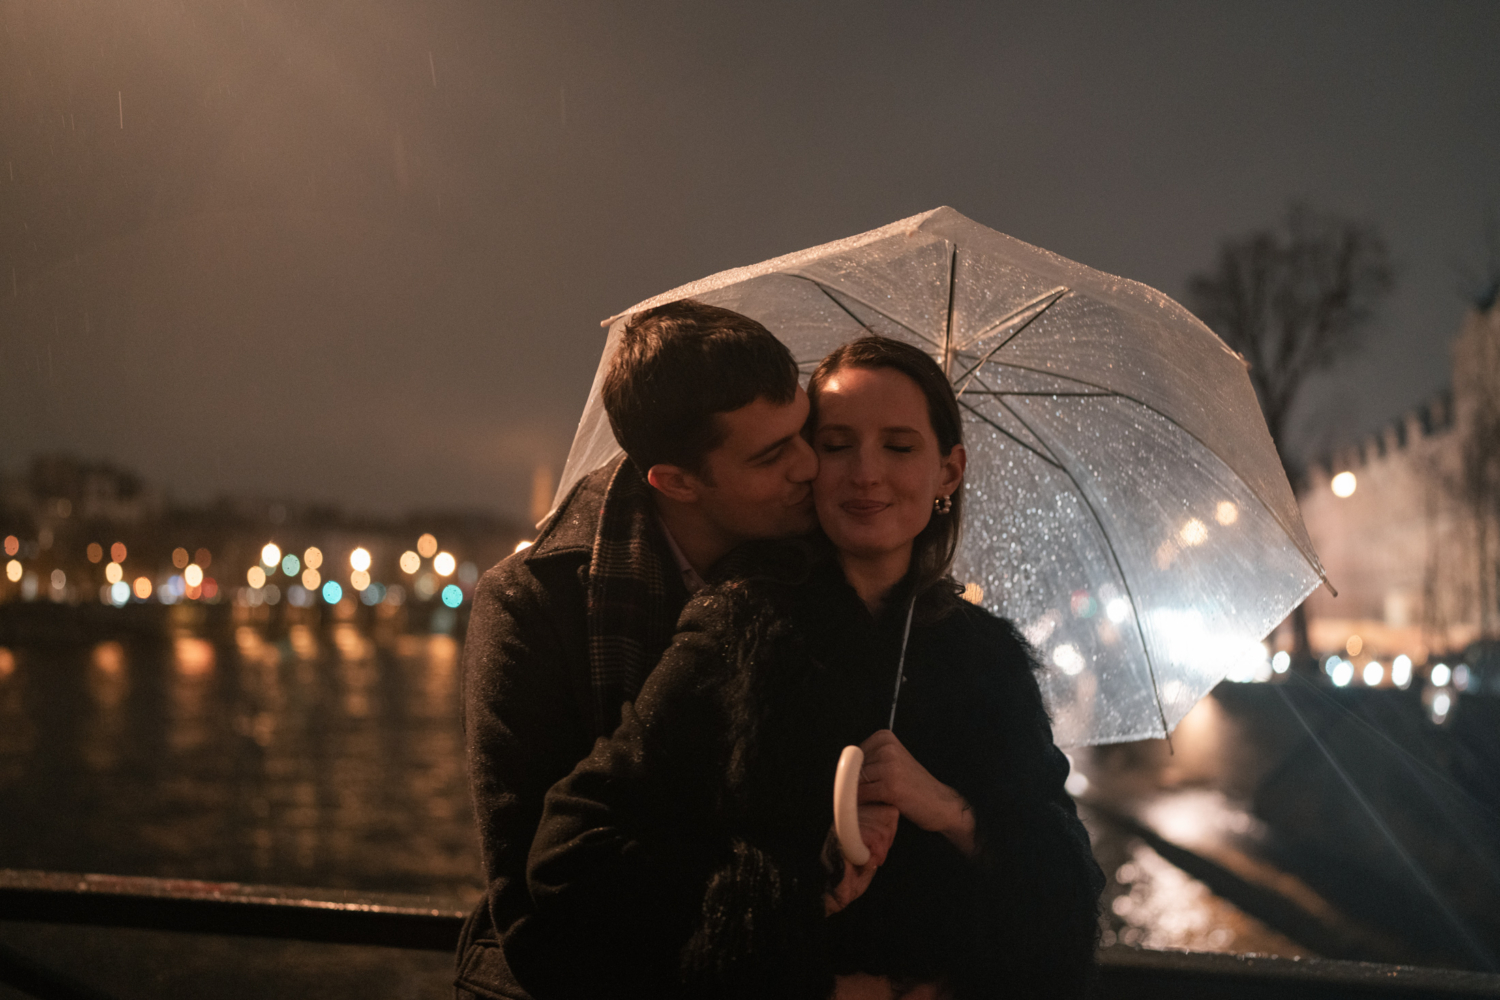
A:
{"points": [[358, 255]]}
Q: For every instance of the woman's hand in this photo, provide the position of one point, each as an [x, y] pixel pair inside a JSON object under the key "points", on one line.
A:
{"points": [[892, 776], [877, 828]]}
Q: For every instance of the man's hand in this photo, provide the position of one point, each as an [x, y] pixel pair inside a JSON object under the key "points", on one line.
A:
{"points": [[892, 776], [877, 828]]}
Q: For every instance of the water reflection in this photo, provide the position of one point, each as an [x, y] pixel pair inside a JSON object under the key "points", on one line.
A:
{"points": [[304, 754]]}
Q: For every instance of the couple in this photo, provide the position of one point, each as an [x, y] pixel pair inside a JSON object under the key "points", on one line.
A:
{"points": [[658, 690]]}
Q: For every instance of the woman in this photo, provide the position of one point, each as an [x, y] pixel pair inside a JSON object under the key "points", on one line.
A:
{"points": [[691, 853]]}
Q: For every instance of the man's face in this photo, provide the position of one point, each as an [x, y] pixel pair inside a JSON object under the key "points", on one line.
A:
{"points": [[758, 482]]}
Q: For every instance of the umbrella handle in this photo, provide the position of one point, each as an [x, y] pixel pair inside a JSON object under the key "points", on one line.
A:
{"points": [[846, 805]]}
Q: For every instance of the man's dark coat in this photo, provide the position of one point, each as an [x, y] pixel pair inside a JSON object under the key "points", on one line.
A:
{"points": [[534, 701]]}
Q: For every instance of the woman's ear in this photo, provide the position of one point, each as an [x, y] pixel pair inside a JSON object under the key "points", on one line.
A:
{"points": [[673, 482], [951, 472]]}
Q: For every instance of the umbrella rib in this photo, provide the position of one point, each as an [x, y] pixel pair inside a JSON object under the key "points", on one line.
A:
{"points": [[1050, 461], [1010, 317], [1056, 294], [1119, 568], [948, 350], [874, 309], [1311, 561]]}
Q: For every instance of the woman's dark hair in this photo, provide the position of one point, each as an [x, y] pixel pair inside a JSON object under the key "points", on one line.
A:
{"points": [[678, 366], [934, 547]]}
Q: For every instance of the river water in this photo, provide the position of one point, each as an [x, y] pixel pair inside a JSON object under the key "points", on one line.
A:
{"points": [[298, 752], [298, 755]]}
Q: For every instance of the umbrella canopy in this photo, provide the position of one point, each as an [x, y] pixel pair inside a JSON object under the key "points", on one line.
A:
{"points": [[1126, 506]]}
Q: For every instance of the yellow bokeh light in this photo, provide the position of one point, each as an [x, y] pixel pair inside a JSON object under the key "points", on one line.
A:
{"points": [[256, 577], [1226, 513], [360, 559], [13, 571], [426, 546], [523, 545], [444, 564], [1354, 645], [1343, 484], [271, 554], [114, 573], [311, 579], [410, 561], [1195, 532], [193, 575], [313, 558], [359, 579], [142, 587], [180, 557]]}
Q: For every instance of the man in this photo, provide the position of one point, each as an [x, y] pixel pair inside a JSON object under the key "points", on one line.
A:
{"points": [[706, 405]]}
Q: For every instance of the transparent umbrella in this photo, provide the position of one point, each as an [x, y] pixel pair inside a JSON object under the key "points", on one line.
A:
{"points": [[1126, 506]]}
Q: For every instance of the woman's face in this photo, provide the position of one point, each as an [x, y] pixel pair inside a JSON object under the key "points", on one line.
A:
{"points": [[879, 464]]}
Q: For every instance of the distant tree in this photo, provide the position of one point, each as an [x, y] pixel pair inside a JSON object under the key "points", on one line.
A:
{"points": [[1291, 301]]}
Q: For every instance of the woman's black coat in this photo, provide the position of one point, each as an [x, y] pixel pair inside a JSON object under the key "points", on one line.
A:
{"points": [[686, 854]]}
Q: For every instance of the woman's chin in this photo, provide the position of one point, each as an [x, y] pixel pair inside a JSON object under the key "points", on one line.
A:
{"points": [[867, 545]]}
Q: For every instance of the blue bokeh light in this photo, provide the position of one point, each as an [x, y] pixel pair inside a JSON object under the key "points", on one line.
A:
{"points": [[452, 596], [332, 592]]}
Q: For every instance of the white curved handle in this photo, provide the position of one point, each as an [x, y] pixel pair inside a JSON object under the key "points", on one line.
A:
{"points": [[846, 805]]}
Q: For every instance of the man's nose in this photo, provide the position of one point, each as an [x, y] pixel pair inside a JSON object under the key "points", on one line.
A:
{"points": [[804, 465]]}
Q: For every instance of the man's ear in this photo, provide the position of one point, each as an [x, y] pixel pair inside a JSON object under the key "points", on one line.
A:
{"points": [[953, 469], [674, 482]]}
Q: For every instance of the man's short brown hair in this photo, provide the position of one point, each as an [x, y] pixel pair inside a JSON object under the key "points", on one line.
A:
{"points": [[677, 366]]}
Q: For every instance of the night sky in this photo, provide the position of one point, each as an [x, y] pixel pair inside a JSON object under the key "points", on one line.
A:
{"points": [[358, 251]]}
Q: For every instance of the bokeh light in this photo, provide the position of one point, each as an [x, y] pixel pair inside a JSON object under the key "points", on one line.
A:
{"points": [[452, 596], [468, 574], [142, 587], [427, 546], [180, 557], [203, 558], [114, 572], [12, 545], [95, 552], [1441, 675], [1226, 513], [360, 559], [1343, 484], [1401, 671], [359, 579], [313, 558], [119, 593], [59, 579], [1374, 673], [311, 579], [1195, 532], [1354, 645], [1281, 662], [444, 564], [332, 592], [410, 561], [1343, 673], [117, 552], [290, 565], [523, 545], [256, 577], [193, 575], [270, 555], [13, 571]]}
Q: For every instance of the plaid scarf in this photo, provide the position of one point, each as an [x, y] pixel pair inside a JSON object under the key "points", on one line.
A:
{"points": [[634, 595]]}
